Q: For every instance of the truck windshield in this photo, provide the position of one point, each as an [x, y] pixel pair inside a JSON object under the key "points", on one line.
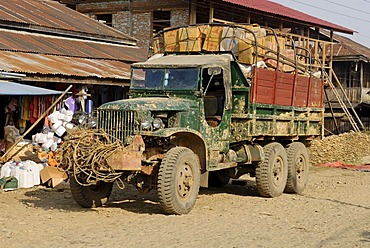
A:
{"points": [[165, 79]]}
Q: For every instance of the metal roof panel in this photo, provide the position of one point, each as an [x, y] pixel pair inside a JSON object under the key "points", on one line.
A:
{"points": [[61, 65], [55, 16], [281, 10], [45, 44], [348, 47]]}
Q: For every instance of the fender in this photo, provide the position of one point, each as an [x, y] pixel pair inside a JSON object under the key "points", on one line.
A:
{"points": [[190, 138]]}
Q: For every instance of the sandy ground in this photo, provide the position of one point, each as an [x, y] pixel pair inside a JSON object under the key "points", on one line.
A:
{"points": [[333, 212]]}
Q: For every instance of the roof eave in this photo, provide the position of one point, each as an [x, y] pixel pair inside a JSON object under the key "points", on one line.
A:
{"points": [[345, 58]]}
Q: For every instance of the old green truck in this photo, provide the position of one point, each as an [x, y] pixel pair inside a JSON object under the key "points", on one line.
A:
{"points": [[198, 119]]}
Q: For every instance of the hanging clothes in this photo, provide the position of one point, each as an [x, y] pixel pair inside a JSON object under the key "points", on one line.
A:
{"points": [[26, 108], [35, 109]]}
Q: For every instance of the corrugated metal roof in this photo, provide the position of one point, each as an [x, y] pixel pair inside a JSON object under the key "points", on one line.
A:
{"points": [[46, 44], [278, 9], [31, 63], [32, 53], [53, 15], [51, 65], [27, 46], [349, 48]]}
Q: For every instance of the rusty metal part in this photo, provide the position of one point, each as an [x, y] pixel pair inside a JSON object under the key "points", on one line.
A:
{"points": [[54, 40], [154, 153], [53, 16], [62, 46], [148, 170], [64, 65], [127, 158]]}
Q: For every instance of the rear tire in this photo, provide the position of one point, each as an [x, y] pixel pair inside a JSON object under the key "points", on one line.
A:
{"points": [[90, 196], [272, 172], [298, 168], [178, 181]]}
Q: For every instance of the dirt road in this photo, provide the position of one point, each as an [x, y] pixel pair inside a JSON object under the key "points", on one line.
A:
{"points": [[333, 212]]}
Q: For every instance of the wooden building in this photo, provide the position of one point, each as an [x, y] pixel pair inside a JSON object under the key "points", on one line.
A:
{"points": [[54, 46], [351, 63], [49, 45], [142, 18]]}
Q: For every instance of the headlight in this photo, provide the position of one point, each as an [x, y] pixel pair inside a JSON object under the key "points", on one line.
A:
{"points": [[93, 122], [81, 119], [157, 123], [147, 123]]}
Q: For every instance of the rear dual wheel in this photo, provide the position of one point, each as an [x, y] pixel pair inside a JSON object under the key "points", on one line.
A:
{"points": [[298, 168], [272, 172], [283, 170]]}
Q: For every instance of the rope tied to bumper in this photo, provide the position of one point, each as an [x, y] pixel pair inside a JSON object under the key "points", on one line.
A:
{"points": [[84, 153]]}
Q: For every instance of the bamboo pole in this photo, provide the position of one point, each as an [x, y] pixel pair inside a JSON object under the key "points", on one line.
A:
{"points": [[3, 158]]}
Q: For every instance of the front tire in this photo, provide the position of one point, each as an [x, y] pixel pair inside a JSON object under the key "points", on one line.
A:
{"points": [[272, 172], [178, 181], [90, 196], [298, 168]]}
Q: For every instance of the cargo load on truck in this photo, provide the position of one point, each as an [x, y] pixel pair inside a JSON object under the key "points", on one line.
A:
{"points": [[250, 44]]}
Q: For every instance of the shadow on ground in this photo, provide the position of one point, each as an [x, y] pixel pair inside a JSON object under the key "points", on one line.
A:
{"points": [[128, 199]]}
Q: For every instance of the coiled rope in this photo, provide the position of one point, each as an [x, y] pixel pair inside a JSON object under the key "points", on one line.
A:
{"points": [[83, 154]]}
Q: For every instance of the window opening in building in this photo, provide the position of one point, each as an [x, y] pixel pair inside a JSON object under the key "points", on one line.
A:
{"points": [[161, 20], [105, 18]]}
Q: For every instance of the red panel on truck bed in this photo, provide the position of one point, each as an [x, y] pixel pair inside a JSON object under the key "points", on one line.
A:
{"points": [[316, 98], [264, 86], [275, 87], [284, 89]]}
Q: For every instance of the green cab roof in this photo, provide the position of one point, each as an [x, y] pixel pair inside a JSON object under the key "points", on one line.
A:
{"points": [[208, 60]]}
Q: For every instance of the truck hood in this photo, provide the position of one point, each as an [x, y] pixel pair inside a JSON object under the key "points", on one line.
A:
{"points": [[152, 104]]}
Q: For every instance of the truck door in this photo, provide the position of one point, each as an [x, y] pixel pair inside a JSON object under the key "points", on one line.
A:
{"points": [[216, 109]]}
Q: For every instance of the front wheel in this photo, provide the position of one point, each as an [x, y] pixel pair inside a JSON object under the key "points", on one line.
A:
{"points": [[178, 180], [272, 172], [90, 196], [298, 168]]}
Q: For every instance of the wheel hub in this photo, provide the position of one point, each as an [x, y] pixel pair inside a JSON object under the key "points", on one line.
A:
{"points": [[277, 171], [185, 180], [300, 165]]}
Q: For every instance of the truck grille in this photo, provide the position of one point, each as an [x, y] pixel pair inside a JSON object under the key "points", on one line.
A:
{"points": [[119, 124]]}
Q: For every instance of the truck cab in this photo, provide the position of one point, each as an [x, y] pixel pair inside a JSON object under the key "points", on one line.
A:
{"points": [[177, 99]]}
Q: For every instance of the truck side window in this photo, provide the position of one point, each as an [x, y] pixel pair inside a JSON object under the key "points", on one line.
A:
{"points": [[214, 99]]}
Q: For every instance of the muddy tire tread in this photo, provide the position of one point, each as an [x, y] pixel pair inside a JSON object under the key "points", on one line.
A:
{"points": [[166, 180], [88, 199], [262, 172], [291, 185]]}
